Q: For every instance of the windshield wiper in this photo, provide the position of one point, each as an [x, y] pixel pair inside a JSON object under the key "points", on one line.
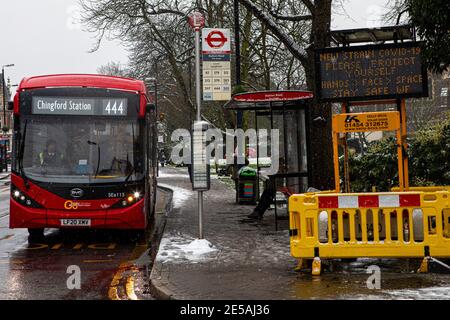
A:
{"points": [[21, 152], [92, 143], [131, 172], [133, 165]]}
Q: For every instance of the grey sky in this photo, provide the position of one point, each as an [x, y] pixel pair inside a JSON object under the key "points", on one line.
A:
{"points": [[42, 36]]}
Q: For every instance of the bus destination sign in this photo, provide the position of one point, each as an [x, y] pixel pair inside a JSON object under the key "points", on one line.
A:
{"points": [[79, 106], [389, 71]]}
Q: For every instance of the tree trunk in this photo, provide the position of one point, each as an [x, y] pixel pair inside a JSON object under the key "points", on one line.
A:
{"points": [[321, 146]]}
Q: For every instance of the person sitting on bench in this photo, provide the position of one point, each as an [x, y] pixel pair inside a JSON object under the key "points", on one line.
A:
{"points": [[268, 195], [265, 201]]}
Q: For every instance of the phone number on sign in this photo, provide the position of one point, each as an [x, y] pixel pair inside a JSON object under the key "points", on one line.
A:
{"points": [[368, 124]]}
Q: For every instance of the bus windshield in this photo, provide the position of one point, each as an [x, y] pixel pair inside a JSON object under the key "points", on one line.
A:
{"points": [[81, 150]]}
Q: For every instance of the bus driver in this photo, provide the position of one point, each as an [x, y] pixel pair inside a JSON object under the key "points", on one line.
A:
{"points": [[50, 157]]}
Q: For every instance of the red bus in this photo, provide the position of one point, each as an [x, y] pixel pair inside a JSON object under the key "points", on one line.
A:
{"points": [[83, 153]]}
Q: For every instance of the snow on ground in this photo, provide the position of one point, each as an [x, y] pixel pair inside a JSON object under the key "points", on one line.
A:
{"points": [[180, 195], [163, 174], [182, 248], [431, 293], [422, 293]]}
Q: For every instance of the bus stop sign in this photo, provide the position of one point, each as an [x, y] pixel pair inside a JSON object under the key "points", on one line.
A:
{"points": [[216, 39], [196, 20]]}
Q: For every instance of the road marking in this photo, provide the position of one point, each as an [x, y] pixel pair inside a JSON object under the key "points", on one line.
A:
{"points": [[36, 246], [56, 246], [127, 265], [15, 261], [9, 236], [98, 261], [129, 288], [102, 246], [78, 246], [112, 293]]}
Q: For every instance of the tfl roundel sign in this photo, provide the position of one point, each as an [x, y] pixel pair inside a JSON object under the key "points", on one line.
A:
{"points": [[216, 40]]}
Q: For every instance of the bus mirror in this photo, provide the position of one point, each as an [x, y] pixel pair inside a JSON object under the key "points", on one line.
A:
{"points": [[10, 105], [150, 107]]}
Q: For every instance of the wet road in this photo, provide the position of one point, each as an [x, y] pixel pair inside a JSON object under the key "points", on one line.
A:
{"points": [[116, 265], [112, 264]]}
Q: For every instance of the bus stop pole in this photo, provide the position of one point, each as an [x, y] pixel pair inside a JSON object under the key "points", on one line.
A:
{"points": [[198, 98], [237, 49]]}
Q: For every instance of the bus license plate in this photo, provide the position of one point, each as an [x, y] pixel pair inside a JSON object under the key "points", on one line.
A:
{"points": [[76, 222]]}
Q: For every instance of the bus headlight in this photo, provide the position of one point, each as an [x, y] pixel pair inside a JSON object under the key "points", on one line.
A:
{"points": [[129, 200], [23, 198]]}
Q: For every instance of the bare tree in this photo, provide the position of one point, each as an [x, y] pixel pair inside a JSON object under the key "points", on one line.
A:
{"points": [[318, 17], [278, 42], [113, 69]]}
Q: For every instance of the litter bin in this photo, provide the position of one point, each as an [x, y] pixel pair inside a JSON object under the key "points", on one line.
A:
{"points": [[246, 186]]}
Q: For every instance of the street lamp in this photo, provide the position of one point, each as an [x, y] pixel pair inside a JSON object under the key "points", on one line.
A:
{"points": [[4, 91]]}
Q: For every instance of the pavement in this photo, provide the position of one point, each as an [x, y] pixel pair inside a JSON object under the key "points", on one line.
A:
{"points": [[5, 175], [5, 179], [246, 259], [241, 246]]}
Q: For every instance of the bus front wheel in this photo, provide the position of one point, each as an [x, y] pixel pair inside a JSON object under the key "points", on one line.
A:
{"points": [[36, 232]]}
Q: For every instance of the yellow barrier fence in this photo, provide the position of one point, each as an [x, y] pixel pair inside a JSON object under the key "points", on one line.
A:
{"points": [[382, 225]]}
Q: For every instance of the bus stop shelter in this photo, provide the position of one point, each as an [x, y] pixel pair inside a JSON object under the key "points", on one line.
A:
{"points": [[286, 111]]}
